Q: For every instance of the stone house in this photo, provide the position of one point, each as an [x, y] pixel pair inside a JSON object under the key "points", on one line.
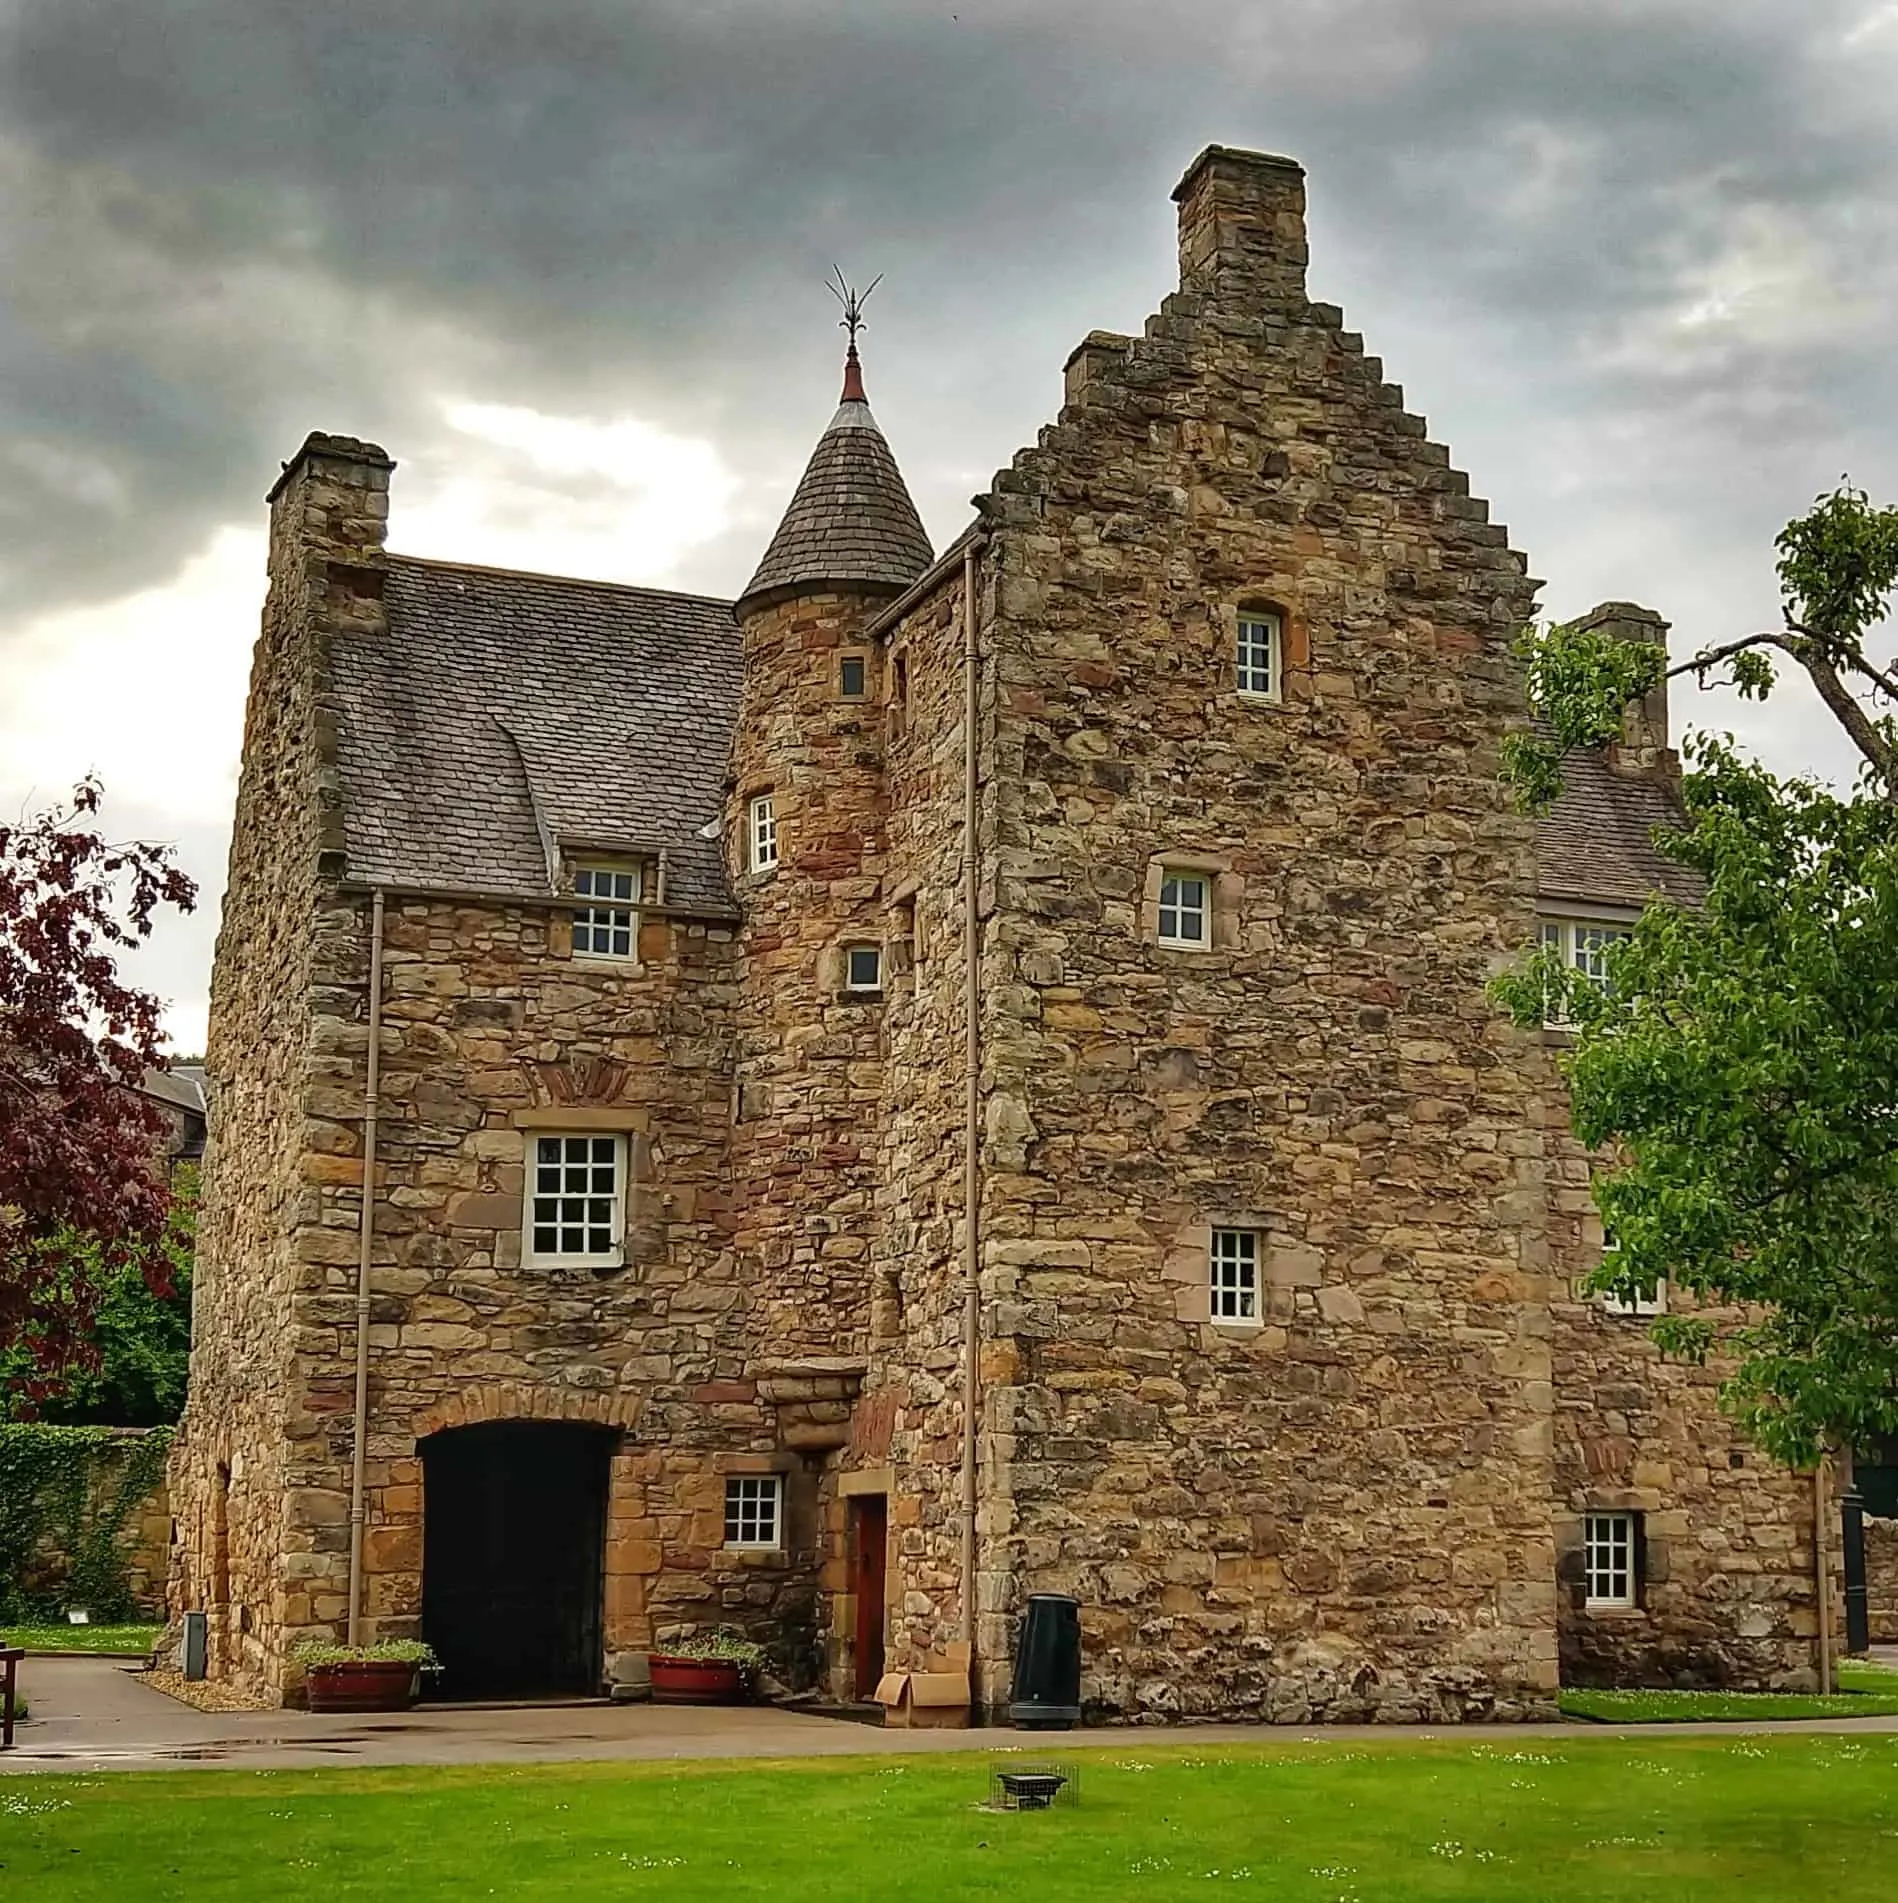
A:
{"points": [[947, 1077]]}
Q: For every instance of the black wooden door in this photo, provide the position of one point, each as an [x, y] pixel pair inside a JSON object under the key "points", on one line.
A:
{"points": [[514, 1527]]}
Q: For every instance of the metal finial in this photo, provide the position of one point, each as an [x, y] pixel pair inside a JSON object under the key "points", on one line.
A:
{"points": [[853, 302]]}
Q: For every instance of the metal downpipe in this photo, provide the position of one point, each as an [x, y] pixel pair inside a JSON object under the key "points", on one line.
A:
{"points": [[372, 1089], [972, 1099]]}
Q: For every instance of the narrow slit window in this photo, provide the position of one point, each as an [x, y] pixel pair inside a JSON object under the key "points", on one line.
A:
{"points": [[1260, 653], [1608, 1541], [576, 1195], [754, 1511], [899, 692], [1185, 911], [763, 829], [1235, 1275], [605, 924]]}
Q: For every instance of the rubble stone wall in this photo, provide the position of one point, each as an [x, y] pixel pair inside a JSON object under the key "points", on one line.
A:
{"points": [[1725, 1594], [493, 1032], [1881, 1577], [227, 1483], [808, 1050], [911, 1419], [1342, 1512]]}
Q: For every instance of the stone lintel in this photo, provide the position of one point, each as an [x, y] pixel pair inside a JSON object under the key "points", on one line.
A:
{"points": [[583, 1116]]}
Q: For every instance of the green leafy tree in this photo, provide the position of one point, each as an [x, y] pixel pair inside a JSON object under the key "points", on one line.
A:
{"points": [[139, 1334], [1740, 1067]]}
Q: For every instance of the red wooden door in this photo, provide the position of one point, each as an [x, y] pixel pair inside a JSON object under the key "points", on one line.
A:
{"points": [[869, 1542]]}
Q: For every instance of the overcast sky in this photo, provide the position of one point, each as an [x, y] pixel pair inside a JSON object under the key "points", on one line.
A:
{"points": [[1635, 260]]}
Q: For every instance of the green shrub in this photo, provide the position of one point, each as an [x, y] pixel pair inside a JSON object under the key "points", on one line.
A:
{"points": [[726, 1647], [71, 1489], [378, 1652]]}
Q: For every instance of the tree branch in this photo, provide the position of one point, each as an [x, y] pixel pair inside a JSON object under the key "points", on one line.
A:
{"points": [[1858, 724], [1712, 657]]}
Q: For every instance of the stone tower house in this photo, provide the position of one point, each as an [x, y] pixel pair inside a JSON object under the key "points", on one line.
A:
{"points": [[948, 1078]]}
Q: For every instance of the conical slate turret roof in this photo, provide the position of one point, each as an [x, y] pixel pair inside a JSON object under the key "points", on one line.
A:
{"points": [[851, 520]]}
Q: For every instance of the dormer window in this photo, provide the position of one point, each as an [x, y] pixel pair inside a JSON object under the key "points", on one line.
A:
{"points": [[1584, 946], [605, 925], [1259, 655]]}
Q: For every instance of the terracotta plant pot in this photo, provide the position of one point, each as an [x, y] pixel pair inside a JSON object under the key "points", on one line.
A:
{"points": [[361, 1685], [696, 1681]]}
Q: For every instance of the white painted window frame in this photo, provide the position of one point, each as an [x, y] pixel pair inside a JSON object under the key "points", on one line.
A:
{"points": [[532, 1254], [751, 1499], [1178, 877], [1582, 944], [1643, 1306], [612, 895], [851, 982], [1259, 654], [761, 833], [1610, 1577], [1234, 1285]]}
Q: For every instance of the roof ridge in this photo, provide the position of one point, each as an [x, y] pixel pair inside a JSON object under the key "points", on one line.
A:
{"points": [[564, 581]]}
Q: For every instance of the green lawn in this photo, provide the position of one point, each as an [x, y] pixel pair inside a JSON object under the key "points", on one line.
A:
{"points": [[134, 1640], [1538, 1820], [1865, 1690]]}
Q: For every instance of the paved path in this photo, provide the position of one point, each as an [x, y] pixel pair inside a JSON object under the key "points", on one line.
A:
{"points": [[94, 1714]]}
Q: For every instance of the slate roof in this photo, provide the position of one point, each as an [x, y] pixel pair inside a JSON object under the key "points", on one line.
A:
{"points": [[1596, 842], [504, 712], [850, 520], [182, 1087]]}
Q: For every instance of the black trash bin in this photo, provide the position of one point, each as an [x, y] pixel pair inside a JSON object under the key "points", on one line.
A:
{"points": [[1047, 1691]]}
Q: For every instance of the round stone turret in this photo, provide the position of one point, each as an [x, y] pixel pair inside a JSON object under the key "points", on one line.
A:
{"points": [[805, 822]]}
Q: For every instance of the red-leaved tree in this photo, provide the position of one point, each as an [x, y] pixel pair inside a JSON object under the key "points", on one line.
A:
{"points": [[82, 1195]]}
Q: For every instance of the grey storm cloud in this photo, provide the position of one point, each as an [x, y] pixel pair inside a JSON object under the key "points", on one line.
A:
{"points": [[1635, 258]]}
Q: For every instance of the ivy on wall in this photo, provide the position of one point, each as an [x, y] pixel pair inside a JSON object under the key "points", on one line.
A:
{"points": [[66, 1494]]}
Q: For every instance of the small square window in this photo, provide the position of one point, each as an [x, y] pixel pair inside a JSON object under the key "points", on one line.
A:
{"points": [[1185, 915], [863, 968], [1608, 1543], [1235, 1275], [754, 1515], [1648, 1302], [762, 831], [1261, 643], [853, 677], [575, 1199], [606, 926]]}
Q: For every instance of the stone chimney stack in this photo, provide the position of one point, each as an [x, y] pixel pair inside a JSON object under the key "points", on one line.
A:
{"points": [[329, 519], [1643, 747], [1242, 227]]}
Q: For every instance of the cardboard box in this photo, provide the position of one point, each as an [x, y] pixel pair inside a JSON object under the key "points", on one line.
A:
{"points": [[924, 1701]]}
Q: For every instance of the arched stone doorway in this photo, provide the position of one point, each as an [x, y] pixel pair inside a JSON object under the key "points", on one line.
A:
{"points": [[513, 1557]]}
